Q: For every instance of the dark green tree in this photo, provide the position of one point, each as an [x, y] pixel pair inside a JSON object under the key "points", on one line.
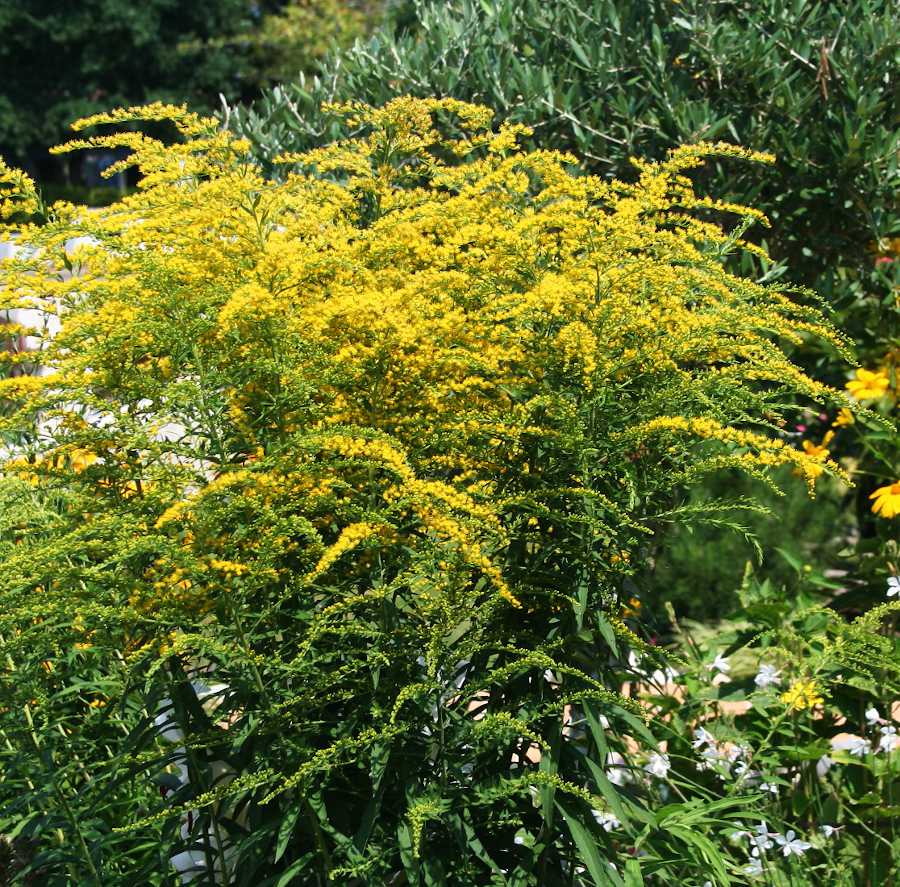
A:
{"points": [[60, 61]]}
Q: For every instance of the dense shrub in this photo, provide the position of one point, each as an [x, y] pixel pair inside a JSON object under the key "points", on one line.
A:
{"points": [[813, 83], [301, 34], [317, 520]]}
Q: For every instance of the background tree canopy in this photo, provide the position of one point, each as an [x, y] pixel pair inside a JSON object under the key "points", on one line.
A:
{"points": [[62, 61]]}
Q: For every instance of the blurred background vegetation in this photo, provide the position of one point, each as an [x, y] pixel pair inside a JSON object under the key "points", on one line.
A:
{"points": [[62, 61], [814, 82]]}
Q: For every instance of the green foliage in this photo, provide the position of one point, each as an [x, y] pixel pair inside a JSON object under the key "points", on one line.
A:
{"points": [[297, 38], [64, 61], [803, 714], [815, 83]]}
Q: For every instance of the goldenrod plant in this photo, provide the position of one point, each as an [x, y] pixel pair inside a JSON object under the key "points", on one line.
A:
{"points": [[317, 519], [814, 83]]}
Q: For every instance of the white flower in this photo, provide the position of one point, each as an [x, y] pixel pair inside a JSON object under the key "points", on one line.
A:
{"points": [[663, 677], [742, 770], [617, 771], [767, 676], [635, 664], [606, 821], [769, 787], [856, 745], [658, 765], [873, 717], [889, 740], [860, 747], [720, 664], [754, 868], [823, 765], [762, 840], [702, 737], [830, 830], [893, 586], [736, 751], [791, 844]]}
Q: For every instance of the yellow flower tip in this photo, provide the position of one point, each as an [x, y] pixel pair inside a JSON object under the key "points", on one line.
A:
{"points": [[508, 596], [843, 418], [802, 695], [887, 501], [868, 385], [815, 451]]}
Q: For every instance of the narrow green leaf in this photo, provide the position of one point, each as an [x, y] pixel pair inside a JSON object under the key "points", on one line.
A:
{"points": [[599, 868]]}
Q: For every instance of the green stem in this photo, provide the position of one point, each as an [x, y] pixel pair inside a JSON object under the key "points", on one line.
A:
{"points": [[205, 412], [70, 816], [324, 855]]}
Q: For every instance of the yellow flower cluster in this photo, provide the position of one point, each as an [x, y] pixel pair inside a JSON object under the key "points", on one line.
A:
{"points": [[351, 536], [422, 334], [802, 695], [17, 193]]}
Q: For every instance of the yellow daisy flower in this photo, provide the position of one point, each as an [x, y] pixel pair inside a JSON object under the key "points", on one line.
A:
{"points": [[887, 500], [802, 694], [868, 385]]}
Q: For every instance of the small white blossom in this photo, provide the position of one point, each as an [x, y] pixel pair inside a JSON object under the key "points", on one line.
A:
{"points": [[856, 745], [606, 821], [889, 739], [769, 787], [742, 770], [873, 717], [829, 831], [792, 845], [860, 747], [767, 676], [658, 765], [736, 751], [823, 765], [893, 589], [617, 771], [720, 664], [762, 840], [702, 737], [755, 867]]}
